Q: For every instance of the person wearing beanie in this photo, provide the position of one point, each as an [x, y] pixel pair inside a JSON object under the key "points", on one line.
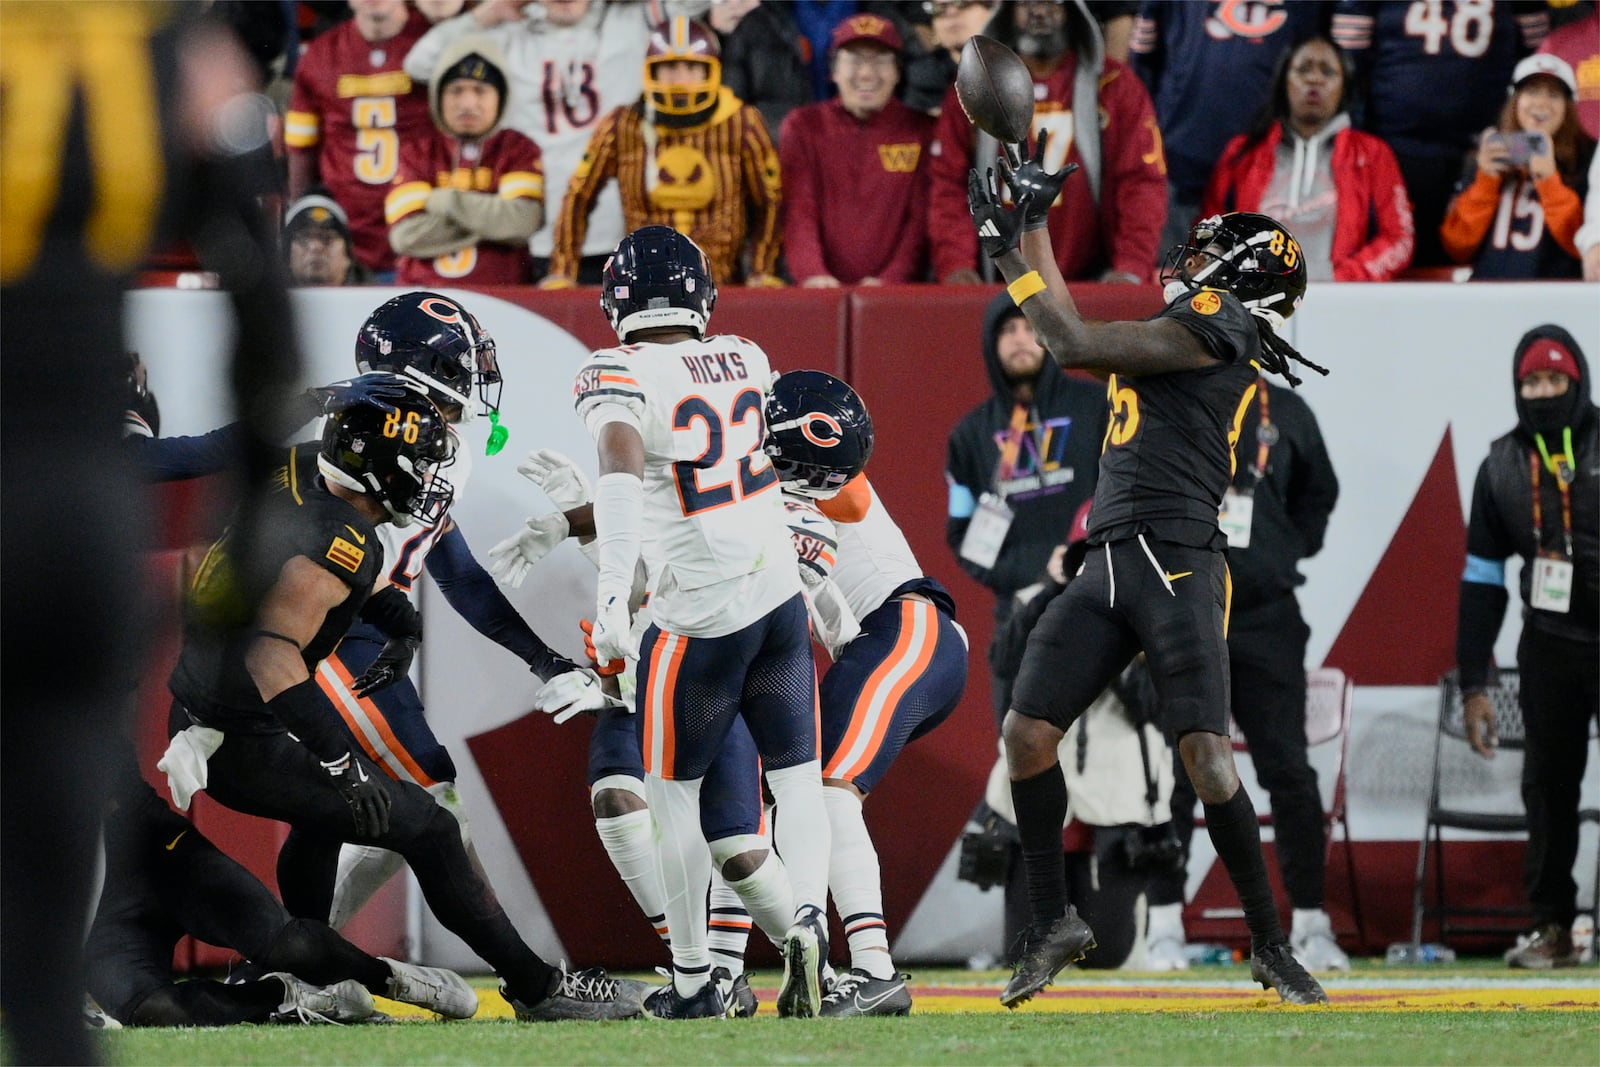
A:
{"points": [[1537, 496], [317, 247], [467, 199]]}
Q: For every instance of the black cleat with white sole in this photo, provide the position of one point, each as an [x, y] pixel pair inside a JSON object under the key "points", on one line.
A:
{"points": [[858, 993]]}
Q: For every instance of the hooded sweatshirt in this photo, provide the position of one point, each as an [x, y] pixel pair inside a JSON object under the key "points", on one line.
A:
{"points": [[1502, 518], [1045, 471], [462, 209]]}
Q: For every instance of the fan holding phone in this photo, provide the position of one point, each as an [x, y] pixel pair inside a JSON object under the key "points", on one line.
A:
{"points": [[1518, 213]]}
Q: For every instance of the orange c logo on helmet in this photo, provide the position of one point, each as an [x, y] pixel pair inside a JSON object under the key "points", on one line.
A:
{"points": [[821, 430], [431, 305]]}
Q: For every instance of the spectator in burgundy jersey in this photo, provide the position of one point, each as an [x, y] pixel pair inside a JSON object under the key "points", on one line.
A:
{"points": [[1102, 228], [351, 110], [1518, 215], [862, 147], [1339, 190], [1575, 37], [468, 198], [316, 243]]}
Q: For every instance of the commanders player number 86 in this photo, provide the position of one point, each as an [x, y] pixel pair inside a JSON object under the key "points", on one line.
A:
{"points": [[407, 431]]}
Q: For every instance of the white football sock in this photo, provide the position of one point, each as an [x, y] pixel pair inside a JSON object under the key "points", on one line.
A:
{"points": [[853, 877], [685, 876], [769, 897], [363, 870], [629, 841], [801, 831], [728, 927]]}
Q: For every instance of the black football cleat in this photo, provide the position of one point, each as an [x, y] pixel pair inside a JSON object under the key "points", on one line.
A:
{"points": [[579, 995], [1276, 968], [738, 999], [1043, 956], [858, 993], [805, 951], [666, 1003]]}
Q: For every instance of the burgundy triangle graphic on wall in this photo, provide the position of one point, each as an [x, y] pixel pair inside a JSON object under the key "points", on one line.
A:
{"points": [[1402, 629]]}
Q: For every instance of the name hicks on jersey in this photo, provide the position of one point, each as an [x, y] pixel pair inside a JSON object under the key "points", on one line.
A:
{"points": [[1014, 488], [721, 367]]}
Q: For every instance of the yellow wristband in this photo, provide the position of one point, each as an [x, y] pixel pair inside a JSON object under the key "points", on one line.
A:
{"points": [[1030, 284]]}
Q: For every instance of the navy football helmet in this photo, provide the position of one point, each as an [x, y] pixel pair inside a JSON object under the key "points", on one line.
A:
{"points": [[819, 433], [436, 341], [657, 277], [384, 436], [1252, 256]]}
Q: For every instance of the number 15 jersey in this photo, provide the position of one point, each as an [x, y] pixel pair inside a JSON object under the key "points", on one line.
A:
{"points": [[715, 537]]}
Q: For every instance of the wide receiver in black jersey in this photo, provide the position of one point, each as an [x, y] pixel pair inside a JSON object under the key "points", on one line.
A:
{"points": [[1155, 579], [251, 726]]}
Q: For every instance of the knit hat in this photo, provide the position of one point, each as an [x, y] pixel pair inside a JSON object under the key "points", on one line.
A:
{"points": [[1548, 354], [474, 66], [315, 210]]}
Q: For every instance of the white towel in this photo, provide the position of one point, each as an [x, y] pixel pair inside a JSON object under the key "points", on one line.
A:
{"points": [[185, 762]]}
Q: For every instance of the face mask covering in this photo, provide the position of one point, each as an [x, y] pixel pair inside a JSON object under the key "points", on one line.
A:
{"points": [[1549, 415]]}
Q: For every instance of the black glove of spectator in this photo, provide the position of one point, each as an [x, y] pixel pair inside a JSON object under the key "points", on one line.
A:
{"points": [[1034, 189], [363, 794], [999, 227], [392, 664]]}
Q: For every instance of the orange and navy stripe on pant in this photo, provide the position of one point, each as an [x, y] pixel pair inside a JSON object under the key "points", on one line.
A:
{"points": [[390, 726], [902, 677], [692, 688]]}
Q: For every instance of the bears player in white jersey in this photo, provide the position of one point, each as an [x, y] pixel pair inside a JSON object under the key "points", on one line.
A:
{"points": [[678, 420], [899, 658]]}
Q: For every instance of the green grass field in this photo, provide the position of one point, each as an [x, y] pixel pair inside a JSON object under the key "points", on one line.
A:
{"points": [[1467, 1014]]}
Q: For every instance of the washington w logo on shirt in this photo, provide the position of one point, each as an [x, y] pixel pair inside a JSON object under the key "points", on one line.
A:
{"points": [[900, 158]]}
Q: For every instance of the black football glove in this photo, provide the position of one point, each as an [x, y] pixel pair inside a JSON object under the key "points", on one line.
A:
{"points": [[392, 664], [999, 227], [1034, 189], [363, 794]]}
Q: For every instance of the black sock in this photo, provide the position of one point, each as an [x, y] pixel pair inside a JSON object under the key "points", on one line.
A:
{"points": [[1236, 835], [1041, 803]]}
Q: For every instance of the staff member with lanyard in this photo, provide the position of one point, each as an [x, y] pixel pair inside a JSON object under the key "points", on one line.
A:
{"points": [[1538, 496], [1274, 515]]}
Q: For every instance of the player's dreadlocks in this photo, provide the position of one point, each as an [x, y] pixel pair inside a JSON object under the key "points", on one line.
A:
{"points": [[1276, 353]]}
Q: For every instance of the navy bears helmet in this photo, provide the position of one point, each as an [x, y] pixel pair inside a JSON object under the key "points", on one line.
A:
{"points": [[1252, 256], [436, 341], [819, 432], [657, 277], [384, 436]]}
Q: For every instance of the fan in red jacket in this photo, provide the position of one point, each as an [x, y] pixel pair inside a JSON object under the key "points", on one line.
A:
{"points": [[1337, 188]]}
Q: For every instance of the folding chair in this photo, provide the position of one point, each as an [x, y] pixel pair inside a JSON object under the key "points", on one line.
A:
{"points": [[1442, 814], [1330, 697]]}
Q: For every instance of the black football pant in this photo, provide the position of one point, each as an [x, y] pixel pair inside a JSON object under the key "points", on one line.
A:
{"points": [[1560, 698], [1266, 654], [165, 879], [275, 777]]}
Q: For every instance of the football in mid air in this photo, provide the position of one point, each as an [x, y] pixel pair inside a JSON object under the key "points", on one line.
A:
{"points": [[995, 89]]}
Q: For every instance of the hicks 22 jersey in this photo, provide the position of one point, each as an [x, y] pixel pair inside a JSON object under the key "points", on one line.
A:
{"points": [[1168, 454], [715, 540]]}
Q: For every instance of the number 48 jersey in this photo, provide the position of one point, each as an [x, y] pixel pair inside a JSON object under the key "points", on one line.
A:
{"points": [[715, 537]]}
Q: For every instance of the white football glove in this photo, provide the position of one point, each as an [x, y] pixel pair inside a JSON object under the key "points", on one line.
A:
{"points": [[562, 480], [612, 631], [511, 559], [571, 694]]}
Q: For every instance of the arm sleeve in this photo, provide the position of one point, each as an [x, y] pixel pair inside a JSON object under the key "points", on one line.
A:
{"points": [[764, 190], [598, 166], [475, 596], [424, 236], [424, 55], [302, 122], [1134, 202], [953, 243], [1563, 211], [1483, 593], [173, 459], [493, 217], [1314, 488], [1392, 239], [802, 223], [1470, 215]]}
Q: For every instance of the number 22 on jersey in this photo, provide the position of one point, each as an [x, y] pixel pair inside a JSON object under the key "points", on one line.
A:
{"points": [[715, 477]]}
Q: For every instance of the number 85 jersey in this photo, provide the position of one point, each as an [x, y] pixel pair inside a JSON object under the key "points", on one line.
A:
{"points": [[715, 536]]}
